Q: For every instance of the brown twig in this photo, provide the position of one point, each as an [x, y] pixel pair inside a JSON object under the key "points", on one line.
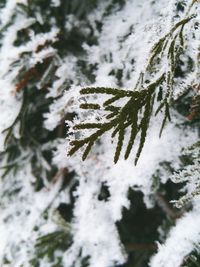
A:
{"points": [[29, 74]]}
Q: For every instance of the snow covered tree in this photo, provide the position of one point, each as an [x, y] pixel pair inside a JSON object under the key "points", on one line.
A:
{"points": [[99, 133]]}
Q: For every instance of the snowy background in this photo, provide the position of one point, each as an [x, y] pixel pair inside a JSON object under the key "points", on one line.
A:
{"points": [[115, 47]]}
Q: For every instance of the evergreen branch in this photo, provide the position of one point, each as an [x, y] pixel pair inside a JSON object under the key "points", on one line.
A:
{"points": [[136, 112], [161, 44], [119, 119], [182, 22]]}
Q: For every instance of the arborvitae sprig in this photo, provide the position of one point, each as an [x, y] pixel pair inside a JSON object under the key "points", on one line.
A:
{"points": [[135, 114]]}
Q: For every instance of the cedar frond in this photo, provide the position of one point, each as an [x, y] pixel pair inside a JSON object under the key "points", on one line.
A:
{"points": [[136, 112], [118, 119]]}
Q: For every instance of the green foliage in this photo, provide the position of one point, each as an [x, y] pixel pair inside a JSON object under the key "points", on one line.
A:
{"points": [[135, 114], [137, 110], [46, 246]]}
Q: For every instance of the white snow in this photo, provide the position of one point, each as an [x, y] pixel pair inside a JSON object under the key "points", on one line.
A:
{"points": [[123, 46], [180, 242]]}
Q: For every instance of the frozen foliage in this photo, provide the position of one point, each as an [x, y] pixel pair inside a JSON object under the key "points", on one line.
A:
{"points": [[13, 60], [22, 215], [190, 175], [45, 60], [159, 82], [180, 242]]}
